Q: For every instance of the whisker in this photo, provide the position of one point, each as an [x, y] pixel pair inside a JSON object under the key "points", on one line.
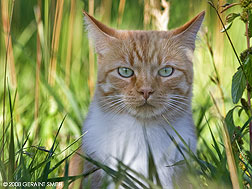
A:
{"points": [[110, 104], [180, 97], [114, 102], [179, 102], [176, 108]]}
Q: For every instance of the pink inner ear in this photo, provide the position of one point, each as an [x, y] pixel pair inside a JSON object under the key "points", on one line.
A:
{"points": [[183, 28]]}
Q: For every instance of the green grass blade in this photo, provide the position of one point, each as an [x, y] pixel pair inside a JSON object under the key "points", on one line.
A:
{"points": [[148, 181], [11, 164], [66, 173], [216, 146], [71, 99], [114, 174], [3, 171], [74, 142], [46, 170], [61, 161], [58, 100], [188, 150], [21, 166], [72, 178], [152, 169], [54, 142]]}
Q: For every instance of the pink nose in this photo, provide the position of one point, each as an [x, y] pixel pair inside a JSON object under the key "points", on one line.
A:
{"points": [[146, 93]]}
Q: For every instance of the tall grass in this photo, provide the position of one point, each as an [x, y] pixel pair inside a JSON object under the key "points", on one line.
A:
{"points": [[38, 64], [55, 74], [6, 9], [6, 27], [70, 39], [91, 81], [120, 12], [55, 41]]}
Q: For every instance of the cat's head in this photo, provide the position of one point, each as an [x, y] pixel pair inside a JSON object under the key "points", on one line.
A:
{"points": [[144, 73]]}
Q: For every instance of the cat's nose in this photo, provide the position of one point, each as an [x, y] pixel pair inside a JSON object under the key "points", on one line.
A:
{"points": [[146, 92]]}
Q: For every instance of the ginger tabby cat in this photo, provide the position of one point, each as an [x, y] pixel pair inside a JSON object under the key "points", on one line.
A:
{"points": [[144, 79]]}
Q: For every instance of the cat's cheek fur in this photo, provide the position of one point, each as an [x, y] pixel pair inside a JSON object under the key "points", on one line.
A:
{"points": [[106, 88], [189, 54], [178, 83], [113, 83]]}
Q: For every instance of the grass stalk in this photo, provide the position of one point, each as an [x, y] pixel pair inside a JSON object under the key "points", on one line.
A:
{"points": [[55, 42], [250, 124], [217, 79], [248, 94], [70, 39], [7, 28], [219, 39], [106, 6], [228, 148], [11, 164], [46, 41], [8, 42], [91, 82], [230, 157], [229, 39], [120, 12], [38, 65]]}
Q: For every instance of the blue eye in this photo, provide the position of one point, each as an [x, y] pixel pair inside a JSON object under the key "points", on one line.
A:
{"points": [[166, 71], [125, 72]]}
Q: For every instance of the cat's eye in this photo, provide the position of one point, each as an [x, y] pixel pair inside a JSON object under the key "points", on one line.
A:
{"points": [[125, 72], [166, 71]]}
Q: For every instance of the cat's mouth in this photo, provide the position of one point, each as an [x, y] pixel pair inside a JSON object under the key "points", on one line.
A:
{"points": [[146, 104], [145, 110]]}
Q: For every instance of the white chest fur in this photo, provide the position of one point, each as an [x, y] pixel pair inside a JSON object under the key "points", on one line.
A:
{"points": [[124, 138]]}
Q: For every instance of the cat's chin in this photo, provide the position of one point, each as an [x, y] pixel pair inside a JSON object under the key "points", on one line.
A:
{"points": [[146, 112], [146, 106]]}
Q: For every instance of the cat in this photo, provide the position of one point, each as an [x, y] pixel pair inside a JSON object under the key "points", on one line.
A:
{"points": [[144, 88]]}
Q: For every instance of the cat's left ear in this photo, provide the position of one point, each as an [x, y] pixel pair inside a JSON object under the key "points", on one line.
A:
{"points": [[188, 32], [101, 35]]}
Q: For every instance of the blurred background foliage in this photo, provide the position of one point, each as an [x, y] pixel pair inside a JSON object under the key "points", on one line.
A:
{"points": [[51, 64]]}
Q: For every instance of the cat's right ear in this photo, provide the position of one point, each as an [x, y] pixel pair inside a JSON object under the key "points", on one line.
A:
{"points": [[188, 32], [101, 35]]}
